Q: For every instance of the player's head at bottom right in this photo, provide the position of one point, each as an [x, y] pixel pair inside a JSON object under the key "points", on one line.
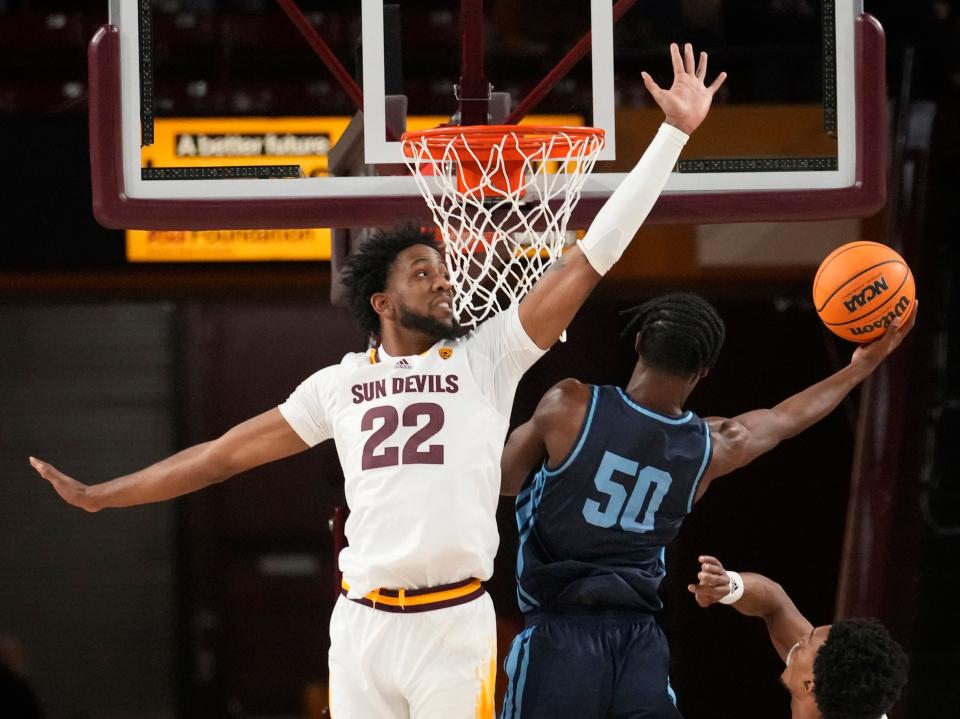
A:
{"points": [[852, 669]]}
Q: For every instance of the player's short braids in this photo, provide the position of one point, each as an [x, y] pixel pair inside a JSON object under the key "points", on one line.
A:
{"points": [[367, 269], [680, 332], [859, 671]]}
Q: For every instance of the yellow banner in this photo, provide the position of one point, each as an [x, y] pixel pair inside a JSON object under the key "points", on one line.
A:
{"points": [[220, 141], [227, 245], [214, 141], [211, 142]]}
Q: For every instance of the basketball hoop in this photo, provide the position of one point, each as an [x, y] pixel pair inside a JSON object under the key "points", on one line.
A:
{"points": [[501, 196]]}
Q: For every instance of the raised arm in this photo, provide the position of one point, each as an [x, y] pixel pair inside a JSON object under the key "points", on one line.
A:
{"points": [[740, 440], [550, 306], [259, 440], [762, 597]]}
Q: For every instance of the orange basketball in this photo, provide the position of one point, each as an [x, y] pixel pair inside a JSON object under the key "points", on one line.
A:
{"points": [[861, 288]]}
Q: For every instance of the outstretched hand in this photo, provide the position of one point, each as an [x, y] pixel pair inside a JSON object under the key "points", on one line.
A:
{"points": [[872, 354], [713, 582], [72, 491], [687, 102]]}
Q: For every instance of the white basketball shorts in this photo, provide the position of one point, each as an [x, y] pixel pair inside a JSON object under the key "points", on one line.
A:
{"points": [[433, 664]]}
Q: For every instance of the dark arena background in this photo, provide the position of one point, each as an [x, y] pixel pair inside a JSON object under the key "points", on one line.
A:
{"points": [[217, 605]]}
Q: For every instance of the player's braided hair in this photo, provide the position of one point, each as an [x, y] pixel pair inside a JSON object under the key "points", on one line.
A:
{"points": [[367, 269], [859, 671], [680, 332]]}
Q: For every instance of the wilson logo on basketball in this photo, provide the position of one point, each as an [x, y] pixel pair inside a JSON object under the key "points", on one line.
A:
{"points": [[446, 353], [884, 321], [870, 292]]}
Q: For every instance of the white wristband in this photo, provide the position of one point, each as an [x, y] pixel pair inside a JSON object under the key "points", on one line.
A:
{"points": [[621, 216], [736, 588]]}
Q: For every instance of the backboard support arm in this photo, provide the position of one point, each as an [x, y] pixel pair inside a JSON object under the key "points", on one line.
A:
{"points": [[473, 90]]}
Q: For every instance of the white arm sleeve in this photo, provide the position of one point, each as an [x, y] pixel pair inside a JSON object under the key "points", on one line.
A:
{"points": [[309, 407], [621, 216]]}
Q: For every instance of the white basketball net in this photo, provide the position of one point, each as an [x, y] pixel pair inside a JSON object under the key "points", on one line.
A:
{"points": [[502, 229]]}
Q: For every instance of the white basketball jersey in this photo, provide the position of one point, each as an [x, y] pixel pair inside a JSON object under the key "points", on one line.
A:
{"points": [[419, 440]]}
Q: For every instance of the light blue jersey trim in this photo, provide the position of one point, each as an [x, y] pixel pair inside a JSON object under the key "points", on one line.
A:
{"points": [[707, 453], [524, 506], [527, 508], [670, 693], [583, 437], [525, 605], [526, 517], [682, 419], [524, 493]]}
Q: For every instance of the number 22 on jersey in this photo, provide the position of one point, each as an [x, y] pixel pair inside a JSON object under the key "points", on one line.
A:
{"points": [[375, 455], [634, 512]]}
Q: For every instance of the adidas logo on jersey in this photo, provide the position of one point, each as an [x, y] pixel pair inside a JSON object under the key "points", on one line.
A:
{"points": [[402, 363]]}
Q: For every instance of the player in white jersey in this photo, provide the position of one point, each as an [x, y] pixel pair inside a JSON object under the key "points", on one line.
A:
{"points": [[419, 423], [443, 413], [851, 669]]}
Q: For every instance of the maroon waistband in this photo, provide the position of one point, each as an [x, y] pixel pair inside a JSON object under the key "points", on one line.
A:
{"points": [[408, 601]]}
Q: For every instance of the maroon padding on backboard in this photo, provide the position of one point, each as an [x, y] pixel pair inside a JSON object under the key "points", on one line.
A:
{"points": [[114, 209]]}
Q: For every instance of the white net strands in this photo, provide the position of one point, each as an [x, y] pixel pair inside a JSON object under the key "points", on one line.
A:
{"points": [[501, 198]]}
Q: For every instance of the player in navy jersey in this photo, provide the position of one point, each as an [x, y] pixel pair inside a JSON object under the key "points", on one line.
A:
{"points": [[619, 469], [852, 669]]}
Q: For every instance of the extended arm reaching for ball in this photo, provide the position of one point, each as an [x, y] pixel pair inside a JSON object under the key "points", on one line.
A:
{"points": [[739, 440], [735, 441]]}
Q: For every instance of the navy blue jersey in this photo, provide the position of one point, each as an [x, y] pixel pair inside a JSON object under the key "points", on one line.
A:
{"points": [[593, 530]]}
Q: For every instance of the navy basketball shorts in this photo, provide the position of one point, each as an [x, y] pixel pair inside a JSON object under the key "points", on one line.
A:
{"points": [[610, 665]]}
